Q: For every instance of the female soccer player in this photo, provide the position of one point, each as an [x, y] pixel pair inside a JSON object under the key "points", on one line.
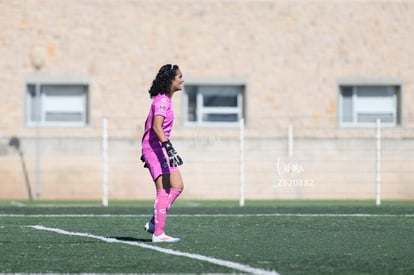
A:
{"points": [[158, 153]]}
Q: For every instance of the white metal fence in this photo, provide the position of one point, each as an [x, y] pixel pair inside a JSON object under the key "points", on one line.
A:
{"points": [[271, 158]]}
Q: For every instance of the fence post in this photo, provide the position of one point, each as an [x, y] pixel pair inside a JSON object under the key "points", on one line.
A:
{"points": [[378, 164], [105, 162], [241, 125], [38, 117]]}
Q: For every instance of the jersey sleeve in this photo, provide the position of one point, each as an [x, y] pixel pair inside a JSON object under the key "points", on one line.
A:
{"points": [[160, 106]]}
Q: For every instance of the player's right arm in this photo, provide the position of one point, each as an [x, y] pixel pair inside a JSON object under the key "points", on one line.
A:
{"points": [[157, 128], [175, 159]]}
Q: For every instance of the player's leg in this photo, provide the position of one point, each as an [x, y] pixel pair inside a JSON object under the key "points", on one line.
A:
{"points": [[173, 185], [168, 184], [176, 187], [168, 187], [157, 166], [161, 206]]}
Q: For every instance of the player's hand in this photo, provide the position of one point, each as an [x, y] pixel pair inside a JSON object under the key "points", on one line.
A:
{"points": [[175, 159], [145, 163]]}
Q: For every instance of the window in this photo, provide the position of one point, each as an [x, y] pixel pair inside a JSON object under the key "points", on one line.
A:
{"points": [[362, 105], [213, 104], [53, 104]]}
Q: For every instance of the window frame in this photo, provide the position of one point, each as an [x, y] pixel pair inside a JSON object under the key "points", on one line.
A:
{"points": [[240, 110], [56, 81], [395, 85]]}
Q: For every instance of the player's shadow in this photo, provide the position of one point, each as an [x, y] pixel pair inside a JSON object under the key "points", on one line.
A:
{"points": [[131, 239]]}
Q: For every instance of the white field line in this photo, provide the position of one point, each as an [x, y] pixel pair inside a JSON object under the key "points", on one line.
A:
{"points": [[228, 264], [203, 215], [17, 203]]}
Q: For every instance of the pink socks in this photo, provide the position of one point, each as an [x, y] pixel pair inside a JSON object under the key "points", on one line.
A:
{"points": [[160, 211], [173, 194], [165, 198]]}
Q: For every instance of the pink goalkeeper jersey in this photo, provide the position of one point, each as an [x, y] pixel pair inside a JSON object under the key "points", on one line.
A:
{"points": [[161, 105]]}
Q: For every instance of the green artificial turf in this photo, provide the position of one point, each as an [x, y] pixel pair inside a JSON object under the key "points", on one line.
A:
{"points": [[288, 237]]}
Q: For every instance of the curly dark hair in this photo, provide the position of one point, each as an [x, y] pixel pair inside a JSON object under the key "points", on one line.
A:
{"points": [[162, 82]]}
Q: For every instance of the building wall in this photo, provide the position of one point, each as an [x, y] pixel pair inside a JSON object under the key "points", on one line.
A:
{"points": [[292, 54]]}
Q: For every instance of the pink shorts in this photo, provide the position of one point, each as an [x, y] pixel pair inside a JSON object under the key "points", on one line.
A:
{"points": [[158, 163]]}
